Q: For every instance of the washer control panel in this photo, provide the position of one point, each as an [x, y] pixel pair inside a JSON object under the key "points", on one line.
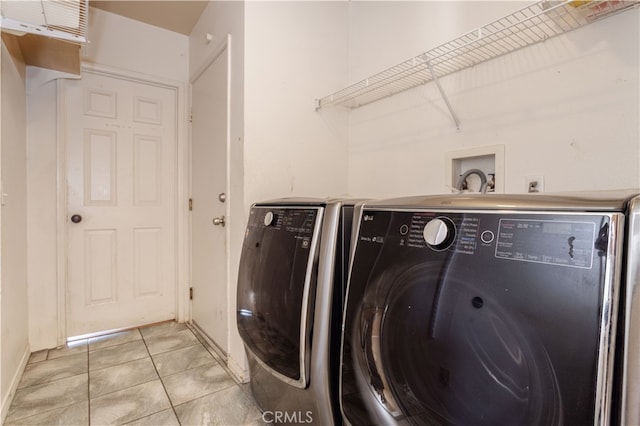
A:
{"points": [[548, 238], [268, 218], [487, 237], [439, 233]]}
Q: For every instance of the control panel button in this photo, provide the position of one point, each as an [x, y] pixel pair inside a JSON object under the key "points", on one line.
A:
{"points": [[487, 237], [268, 218], [439, 233], [404, 230]]}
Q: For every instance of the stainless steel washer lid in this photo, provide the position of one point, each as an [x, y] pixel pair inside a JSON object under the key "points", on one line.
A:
{"points": [[602, 201]]}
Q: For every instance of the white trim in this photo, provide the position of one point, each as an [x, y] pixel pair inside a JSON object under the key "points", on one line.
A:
{"points": [[183, 313], [2, 410], [231, 317], [239, 374], [13, 387], [181, 212], [189, 182], [237, 371], [61, 211], [224, 45], [131, 75], [212, 345], [38, 77]]}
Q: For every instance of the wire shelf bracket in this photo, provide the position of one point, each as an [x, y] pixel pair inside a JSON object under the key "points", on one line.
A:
{"points": [[445, 98], [529, 25]]}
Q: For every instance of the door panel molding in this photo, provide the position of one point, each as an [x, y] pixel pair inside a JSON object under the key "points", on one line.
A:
{"points": [[146, 113]]}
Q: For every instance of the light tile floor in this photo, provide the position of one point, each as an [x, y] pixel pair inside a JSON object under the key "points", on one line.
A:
{"points": [[157, 375]]}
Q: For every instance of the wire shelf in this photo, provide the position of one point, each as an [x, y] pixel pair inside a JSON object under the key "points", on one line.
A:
{"points": [[530, 25], [62, 19]]}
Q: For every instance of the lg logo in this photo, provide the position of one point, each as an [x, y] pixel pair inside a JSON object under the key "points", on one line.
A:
{"points": [[287, 417]]}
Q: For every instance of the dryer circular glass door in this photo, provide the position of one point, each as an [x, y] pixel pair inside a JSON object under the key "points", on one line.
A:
{"points": [[276, 288], [466, 334]]}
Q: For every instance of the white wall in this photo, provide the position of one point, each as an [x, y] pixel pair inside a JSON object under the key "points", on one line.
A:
{"points": [[294, 52], [219, 19], [566, 109], [13, 281], [131, 45], [284, 54], [42, 190], [117, 43]]}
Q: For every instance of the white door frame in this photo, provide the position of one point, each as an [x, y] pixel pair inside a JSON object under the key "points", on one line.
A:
{"points": [[215, 53], [182, 182]]}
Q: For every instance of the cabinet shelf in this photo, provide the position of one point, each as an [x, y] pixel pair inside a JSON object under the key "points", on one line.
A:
{"points": [[527, 26]]}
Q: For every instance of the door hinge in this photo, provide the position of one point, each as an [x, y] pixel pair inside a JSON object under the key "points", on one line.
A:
{"points": [[190, 293], [191, 117], [190, 204]]}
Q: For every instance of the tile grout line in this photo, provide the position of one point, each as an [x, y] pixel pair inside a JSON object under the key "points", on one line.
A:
{"points": [[88, 373], [124, 388], [220, 361], [160, 378], [126, 362], [46, 383], [116, 345], [212, 352], [171, 350], [88, 388], [39, 413]]}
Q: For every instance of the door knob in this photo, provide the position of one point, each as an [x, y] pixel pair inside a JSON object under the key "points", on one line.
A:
{"points": [[76, 218], [218, 221]]}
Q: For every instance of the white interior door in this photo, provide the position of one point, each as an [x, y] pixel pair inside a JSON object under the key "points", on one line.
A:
{"points": [[121, 192], [209, 136]]}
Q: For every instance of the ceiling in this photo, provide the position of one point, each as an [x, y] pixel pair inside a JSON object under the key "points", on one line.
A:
{"points": [[179, 16]]}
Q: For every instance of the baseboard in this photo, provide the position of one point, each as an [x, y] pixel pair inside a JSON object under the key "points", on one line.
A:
{"points": [[15, 381], [239, 373], [212, 345]]}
